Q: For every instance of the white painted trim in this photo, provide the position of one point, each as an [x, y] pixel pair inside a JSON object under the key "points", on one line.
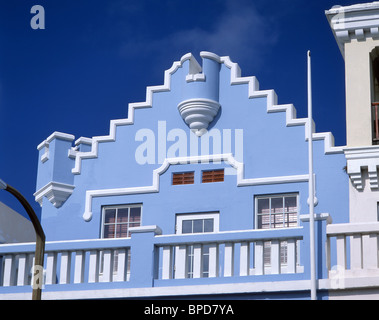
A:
{"points": [[209, 289], [46, 143], [272, 105], [359, 158], [358, 21], [57, 193], [144, 229], [195, 69], [352, 228], [56, 135], [195, 216], [228, 158]]}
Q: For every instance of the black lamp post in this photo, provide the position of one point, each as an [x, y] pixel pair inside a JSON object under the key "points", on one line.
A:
{"points": [[40, 236]]}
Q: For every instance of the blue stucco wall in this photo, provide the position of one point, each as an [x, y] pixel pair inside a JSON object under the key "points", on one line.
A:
{"points": [[270, 149]]}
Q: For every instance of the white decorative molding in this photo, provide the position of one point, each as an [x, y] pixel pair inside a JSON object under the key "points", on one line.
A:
{"points": [[317, 217], [198, 114], [272, 103], [358, 21], [72, 152], [46, 143], [144, 229], [359, 158], [228, 158], [195, 69], [57, 193]]}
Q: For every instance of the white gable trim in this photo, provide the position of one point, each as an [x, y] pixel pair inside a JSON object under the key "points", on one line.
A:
{"points": [[195, 69]]}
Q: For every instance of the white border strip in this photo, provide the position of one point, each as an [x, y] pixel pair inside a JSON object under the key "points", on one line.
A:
{"points": [[236, 78], [228, 158]]}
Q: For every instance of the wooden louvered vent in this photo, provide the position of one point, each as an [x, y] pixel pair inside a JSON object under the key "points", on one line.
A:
{"points": [[213, 176], [183, 178]]}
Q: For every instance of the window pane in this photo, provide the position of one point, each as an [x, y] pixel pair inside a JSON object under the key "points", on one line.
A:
{"points": [[264, 221], [122, 230], [122, 215], [135, 214], [110, 215], [208, 225], [187, 226], [109, 231], [276, 205], [198, 226], [263, 206], [290, 204], [277, 220]]}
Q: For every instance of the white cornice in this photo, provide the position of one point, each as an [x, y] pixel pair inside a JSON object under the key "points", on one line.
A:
{"points": [[358, 21], [57, 193], [359, 158]]}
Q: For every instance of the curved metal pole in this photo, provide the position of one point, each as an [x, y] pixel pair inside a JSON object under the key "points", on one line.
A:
{"points": [[40, 237]]}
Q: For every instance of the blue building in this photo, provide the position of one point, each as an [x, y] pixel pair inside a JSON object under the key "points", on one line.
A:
{"points": [[201, 192]]}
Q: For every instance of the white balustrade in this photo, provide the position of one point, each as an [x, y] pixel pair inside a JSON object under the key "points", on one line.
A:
{"points": [[352, 250], [65, 267], [179, 261], [207, 256]]}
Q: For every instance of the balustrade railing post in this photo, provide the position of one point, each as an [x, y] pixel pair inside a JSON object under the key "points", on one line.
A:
{"points": [[143, 260]]}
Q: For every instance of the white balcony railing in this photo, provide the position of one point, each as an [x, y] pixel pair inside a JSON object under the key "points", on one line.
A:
{"points": [[255, 252], [67, 262], [354, 250], [129, 262]]}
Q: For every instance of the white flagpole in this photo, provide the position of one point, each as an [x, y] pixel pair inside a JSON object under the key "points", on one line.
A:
{"points": [[311, 185]]}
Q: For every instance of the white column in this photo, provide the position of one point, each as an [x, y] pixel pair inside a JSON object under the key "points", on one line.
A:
{"points": [[356, 251], [197, 261], [122, 255], [93, 268], [275, 257], [341, 251], [107, 266], [258, 258], [370, 251], [228, 259], [291, 256], [23, 269], [65, 269], [79, 266], [244, 259], [180, 262], [213, 260], [166, 262], [51, 268]]}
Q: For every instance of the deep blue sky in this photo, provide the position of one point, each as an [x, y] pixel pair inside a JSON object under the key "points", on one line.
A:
{"points": [[94, 57]]}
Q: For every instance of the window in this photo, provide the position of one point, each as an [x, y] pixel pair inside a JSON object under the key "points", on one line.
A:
{"points": [[183, 178], [276, 211], [197, 223], [117, 220], [213, 176]]}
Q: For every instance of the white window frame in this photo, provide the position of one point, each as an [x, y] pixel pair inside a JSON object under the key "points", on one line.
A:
{"points": [[277, 195], [115, 252], [121, 206], [283, 244], [182, 268], [198, 216]]}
